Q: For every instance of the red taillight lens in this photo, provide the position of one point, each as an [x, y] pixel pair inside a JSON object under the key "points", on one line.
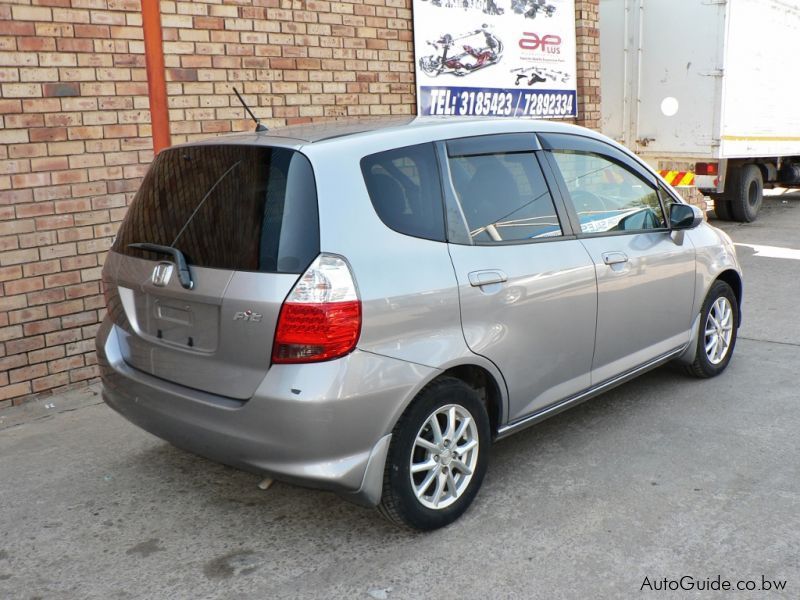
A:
{"points": [[311, 332], [321, 317], [706, 168]]}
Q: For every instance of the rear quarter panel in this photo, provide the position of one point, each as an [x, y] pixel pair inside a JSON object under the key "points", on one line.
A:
{"points": [[407, 285]]}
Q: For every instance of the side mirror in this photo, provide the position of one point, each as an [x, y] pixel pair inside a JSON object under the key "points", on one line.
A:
{"points": [[684, 216]]}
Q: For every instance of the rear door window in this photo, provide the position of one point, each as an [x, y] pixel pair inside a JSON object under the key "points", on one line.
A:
{"points": [[503, 195], [245, 208], [406, 191]]}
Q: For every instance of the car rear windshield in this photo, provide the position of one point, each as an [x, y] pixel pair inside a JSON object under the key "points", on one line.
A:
{"points": [[244, 208]]}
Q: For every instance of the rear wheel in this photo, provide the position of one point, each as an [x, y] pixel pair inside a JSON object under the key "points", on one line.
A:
{"points": [[747, 193], [438, 457], [719, 322]]}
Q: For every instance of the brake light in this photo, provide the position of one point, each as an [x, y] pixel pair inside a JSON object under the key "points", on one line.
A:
{"points": [[321, 317], [706, 168]]}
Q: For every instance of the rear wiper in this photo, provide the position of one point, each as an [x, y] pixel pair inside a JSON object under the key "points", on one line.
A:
{"points": [[184, 276], [203, 201]]}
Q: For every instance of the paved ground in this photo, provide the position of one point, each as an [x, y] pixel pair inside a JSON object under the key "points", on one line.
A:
{"points": [[663, 477]]}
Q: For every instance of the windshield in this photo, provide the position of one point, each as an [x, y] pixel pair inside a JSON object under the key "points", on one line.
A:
{"points": [[245, 208]]}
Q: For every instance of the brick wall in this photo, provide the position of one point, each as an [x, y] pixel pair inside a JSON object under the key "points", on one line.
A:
{"points": [[587, 16], [75, 131]]}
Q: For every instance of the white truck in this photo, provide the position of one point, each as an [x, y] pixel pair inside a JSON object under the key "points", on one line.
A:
{"points": [[707, 92]]}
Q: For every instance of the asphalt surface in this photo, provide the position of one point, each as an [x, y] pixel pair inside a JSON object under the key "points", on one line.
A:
{"points": [[664, 477]]}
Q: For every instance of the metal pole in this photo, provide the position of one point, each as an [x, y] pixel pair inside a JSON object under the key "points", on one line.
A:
{"points": [[156, 84]]}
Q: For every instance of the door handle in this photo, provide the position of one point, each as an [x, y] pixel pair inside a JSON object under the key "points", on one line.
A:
{"points": [[614, 258], [486, 277]]}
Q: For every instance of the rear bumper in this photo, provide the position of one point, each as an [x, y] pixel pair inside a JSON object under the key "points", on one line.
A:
{"points": [[707, 183], [324, 425]]}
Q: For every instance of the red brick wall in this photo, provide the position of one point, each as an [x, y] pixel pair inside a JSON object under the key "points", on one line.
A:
{"points": [[75, 131], [587, 15]]}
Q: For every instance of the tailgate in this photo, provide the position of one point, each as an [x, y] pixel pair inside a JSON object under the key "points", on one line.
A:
{"points": [[246, 220]]}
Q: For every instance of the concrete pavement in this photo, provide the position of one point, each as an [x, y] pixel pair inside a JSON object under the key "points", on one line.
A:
{"points": [[661, 478]]}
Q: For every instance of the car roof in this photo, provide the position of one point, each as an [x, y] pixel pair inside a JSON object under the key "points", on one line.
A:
{"points": [[296, 136]]}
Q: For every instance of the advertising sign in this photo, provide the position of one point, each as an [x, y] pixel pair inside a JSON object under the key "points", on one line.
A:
{"points": [[499, 58]]}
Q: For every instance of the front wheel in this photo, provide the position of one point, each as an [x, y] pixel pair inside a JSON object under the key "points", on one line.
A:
{"points": [[437, 458], [719, 322]]}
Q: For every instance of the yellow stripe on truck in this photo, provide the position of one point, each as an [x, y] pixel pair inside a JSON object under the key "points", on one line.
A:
{"points": [[759, 138], [668, 175], [678, 178]]}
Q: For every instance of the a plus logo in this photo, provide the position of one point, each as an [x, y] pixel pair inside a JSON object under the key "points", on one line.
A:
{"points": [[551, 44]]}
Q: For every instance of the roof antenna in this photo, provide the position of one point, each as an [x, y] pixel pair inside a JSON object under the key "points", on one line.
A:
{"points": [[259, 126]]}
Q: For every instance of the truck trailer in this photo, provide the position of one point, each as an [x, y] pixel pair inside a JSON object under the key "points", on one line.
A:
{"points": [[706, 92]]}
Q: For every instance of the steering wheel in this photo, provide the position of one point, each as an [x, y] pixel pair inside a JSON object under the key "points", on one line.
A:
{"points": [[587, 201]]}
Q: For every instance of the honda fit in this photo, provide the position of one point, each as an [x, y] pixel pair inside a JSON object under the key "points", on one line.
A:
{"points": [[365, 307]]}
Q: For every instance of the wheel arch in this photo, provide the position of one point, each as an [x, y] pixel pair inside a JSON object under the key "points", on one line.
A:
{"points": [[733, 279], [487, 388], [478, 373]]}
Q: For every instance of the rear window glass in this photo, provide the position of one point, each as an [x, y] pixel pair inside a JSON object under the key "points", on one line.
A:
{"points": [[244, 208], [405, 190], [504, 197]]}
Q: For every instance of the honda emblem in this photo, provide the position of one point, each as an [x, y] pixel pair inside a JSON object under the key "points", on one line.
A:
{"points": [[161, 274]]}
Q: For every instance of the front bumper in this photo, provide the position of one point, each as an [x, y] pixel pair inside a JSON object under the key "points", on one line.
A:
{"points": [[325, 425]]}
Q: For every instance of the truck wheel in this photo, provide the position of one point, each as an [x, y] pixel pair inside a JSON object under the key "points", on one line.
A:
{"points": [[722, 208], [747, 193]]}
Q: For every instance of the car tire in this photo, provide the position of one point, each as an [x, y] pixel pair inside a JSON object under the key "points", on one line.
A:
{"points": [[722, 209], [719, 320], [433, 497], [747, 193]]}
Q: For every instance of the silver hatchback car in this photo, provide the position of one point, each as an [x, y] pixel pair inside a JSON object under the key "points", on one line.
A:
{"points": [[364, 307]]}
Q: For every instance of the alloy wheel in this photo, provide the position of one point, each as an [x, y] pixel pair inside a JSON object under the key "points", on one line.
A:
{"points": [[718, 330], [444, 456]]}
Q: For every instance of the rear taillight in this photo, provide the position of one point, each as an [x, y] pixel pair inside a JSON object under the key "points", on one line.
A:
{"points": [[321, 317], [706, 168]]}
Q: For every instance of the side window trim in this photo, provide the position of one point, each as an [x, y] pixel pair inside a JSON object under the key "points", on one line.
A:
{"points": [[579, 143], [552, 178], [495, 143], [455, 222], [563, 191]]}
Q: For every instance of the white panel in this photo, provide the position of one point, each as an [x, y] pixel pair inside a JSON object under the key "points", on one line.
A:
{"points": [[680, 82], [760, 115], [613, 50]]}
